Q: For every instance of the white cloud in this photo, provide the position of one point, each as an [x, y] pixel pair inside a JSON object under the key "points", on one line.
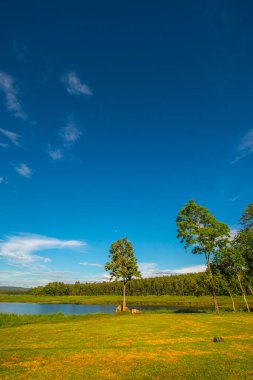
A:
{"points": [[191, 269], [28, 278], [12, 136], [3, 145], [1, 180], [91, 265], [246, 146], [74, 86], [55, 154], [23, 170], [151, 270], [104, 277], [233, 232], [70, 133], [19, 249], [10, 90], [147, 269]]}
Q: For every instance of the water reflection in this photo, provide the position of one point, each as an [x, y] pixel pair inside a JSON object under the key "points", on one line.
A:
{"points": [[41, 308]]}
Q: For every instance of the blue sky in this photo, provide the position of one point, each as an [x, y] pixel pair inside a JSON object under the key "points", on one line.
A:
{"points": [[112, 116]]}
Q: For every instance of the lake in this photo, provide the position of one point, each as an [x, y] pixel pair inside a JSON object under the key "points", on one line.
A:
{"points": [[43, 308]]}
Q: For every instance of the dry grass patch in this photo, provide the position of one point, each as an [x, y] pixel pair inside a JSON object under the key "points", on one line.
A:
{"points": [[151, 346]]}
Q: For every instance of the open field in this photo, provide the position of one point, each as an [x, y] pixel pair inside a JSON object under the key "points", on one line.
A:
{"points": [[203, 301], [148, 346]]}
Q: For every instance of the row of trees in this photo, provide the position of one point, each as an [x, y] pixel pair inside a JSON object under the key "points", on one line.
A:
{"points": [[195, 284]]}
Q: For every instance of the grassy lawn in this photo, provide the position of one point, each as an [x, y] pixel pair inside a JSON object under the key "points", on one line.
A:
{"points": [[147, 346], [204, 301]]}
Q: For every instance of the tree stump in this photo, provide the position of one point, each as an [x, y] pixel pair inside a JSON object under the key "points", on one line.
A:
{"points": [[120, 309]]}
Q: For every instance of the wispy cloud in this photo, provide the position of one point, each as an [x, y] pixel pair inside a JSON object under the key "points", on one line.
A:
{"points": [[23, 170], [1, 180], [74, 86], [151, 270], [10, 90], [246, 147], [3, 145], [19, 250], [39, 276], [92, 265], [12, 136], [55, 154], [234, 199], [70, 133]]}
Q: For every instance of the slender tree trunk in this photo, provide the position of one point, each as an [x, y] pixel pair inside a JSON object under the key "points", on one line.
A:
{"points": [[243, 292], [215, 302], [250, 289], [232, 299], [124, 297]]}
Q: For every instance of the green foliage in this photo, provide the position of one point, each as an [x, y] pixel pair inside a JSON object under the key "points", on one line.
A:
{"points": [[198, 228], [236, 257], [230, 259], [246, 219], [192, 284], [243, 243], [12, 290], [123, 264]]}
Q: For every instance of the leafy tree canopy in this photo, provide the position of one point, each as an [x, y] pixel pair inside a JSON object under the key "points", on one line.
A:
{"points": [[247, 217], [198, 228], [123, 264], [243, 243]]}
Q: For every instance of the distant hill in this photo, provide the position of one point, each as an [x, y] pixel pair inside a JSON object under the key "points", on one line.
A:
{"points": [[12, 289]]}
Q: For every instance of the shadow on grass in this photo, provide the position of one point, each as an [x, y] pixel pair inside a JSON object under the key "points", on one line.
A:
{"points": [[192, 311]]}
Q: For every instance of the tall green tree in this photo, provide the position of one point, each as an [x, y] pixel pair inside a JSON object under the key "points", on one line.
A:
{"points": [[231, 258], [244, 238], [223, 268], [246, 219], [122, 264], [199, 230]]}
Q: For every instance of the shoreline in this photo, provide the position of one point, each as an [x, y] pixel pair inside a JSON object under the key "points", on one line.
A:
{"points": [[190, 301]]}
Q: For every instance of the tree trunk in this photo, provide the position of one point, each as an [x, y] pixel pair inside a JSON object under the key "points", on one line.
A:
{"points": [[243, 292], [215, 302], [124, 298], [232, 299], [250, 289]]}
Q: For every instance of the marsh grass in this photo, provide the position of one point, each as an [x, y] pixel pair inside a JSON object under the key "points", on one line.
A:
{"points": [[145, 346], [204, 301]]}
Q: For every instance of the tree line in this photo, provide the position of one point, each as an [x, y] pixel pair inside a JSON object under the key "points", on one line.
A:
{"points": [[195, 284]]}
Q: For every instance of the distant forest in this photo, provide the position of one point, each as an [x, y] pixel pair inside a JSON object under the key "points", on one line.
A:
{"points": [[12, 290], [195, 284]]}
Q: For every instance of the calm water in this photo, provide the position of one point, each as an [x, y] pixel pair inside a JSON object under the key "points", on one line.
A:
{"points": [[42, 308]]}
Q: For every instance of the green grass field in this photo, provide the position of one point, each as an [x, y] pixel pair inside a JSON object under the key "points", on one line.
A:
{"points": [[205, 301], [145, 346]]}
